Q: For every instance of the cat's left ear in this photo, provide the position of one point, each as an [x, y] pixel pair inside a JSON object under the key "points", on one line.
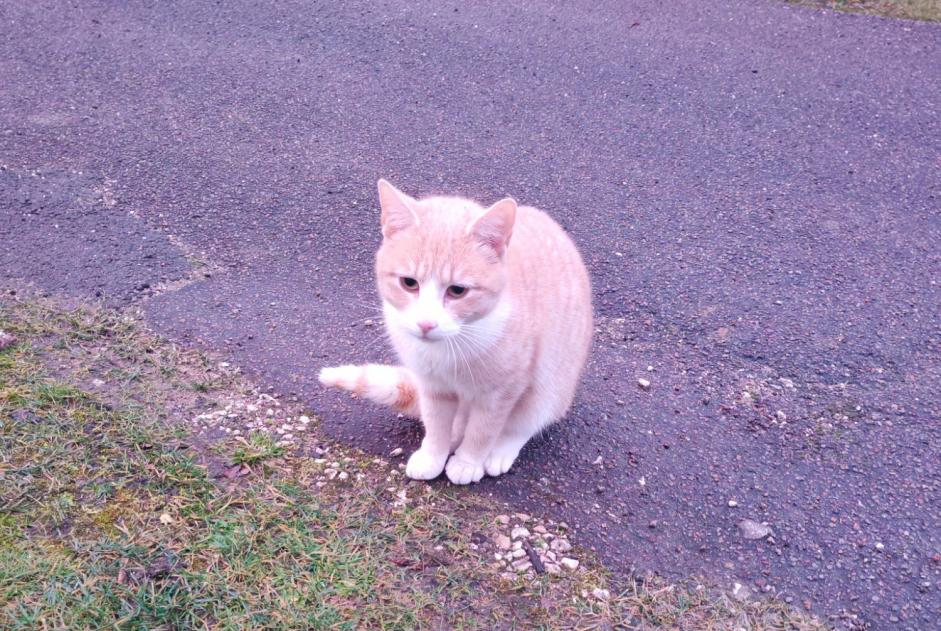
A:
{"points": [[495, 226], [397, 212]]}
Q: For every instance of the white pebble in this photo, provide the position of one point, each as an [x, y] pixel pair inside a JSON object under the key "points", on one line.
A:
{"points": [[601, 594], [569, 563]]}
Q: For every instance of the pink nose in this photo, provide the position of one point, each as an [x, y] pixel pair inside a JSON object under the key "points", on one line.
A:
{"points": [[426, 326]]}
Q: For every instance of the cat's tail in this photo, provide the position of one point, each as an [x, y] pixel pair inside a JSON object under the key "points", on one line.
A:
{"points": [[392, 386]]}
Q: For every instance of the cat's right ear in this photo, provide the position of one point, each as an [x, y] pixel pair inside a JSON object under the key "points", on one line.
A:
{"points": [[397, 213]]}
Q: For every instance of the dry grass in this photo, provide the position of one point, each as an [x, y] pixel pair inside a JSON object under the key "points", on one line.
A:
{"points": [[113, 514], [929, 10]]}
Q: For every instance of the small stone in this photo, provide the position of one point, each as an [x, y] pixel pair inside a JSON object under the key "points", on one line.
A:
{"points": [[732, 503], [751, 529], [550, 555], [519, 553], [643, 383], [880, 547], [523, 517], [166, 519], [498, 556], [553, 568], [540, 529], [519, 532], [503, 520], [780, 415], [343, 475], [508, 576], [330, 473], [304, 419], [601, 594], [597, 461], [741, 592], [396, 452], [97, 382], [7, 340], [569, 563], [521, 565], [517, 545], [502, 542], [560, 545]]}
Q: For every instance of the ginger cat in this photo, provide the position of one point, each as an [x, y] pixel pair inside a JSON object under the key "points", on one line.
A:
{"points": [[492, 331]]}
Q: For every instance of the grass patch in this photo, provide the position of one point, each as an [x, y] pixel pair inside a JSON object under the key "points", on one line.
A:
{"points": [[114, 514], [256, 449], [929, 10]]}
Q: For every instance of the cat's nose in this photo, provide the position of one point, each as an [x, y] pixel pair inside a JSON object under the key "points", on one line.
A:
{"points": [[426, 326]]}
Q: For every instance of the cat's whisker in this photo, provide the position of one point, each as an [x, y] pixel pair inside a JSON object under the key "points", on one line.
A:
{"points": [[473, 344], [479, 342], [470, 371], [382, 336]]}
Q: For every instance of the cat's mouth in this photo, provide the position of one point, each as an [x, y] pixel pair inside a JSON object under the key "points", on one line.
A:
{"points": [[432, 336]]}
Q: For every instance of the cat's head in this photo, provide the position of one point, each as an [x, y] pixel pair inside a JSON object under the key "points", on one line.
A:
{"points": [[441, 266]]}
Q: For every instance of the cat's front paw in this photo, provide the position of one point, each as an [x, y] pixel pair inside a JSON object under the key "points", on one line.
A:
{"points": [[424, 465], [500, 460], [461, 471]]}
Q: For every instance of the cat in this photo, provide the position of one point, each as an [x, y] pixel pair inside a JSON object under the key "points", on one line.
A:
{"points": [[489, 310]]}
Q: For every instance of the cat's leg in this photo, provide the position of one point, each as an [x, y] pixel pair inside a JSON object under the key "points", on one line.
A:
{"points": [[485, 423], [459, 425], [529, 416], [437, 415]]}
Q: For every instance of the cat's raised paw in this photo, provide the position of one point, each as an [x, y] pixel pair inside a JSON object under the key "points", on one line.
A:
{"points": [[345, 377], [461, 471], [499, 461], [423, 465]]}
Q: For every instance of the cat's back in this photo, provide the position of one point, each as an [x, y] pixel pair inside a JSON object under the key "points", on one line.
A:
{"points": [[540, 244], [551, 295]]}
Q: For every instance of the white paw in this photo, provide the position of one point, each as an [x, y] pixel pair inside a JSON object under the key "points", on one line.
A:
{"points": [[500, 460], [461, 471], [423, 465], [340, 376]]}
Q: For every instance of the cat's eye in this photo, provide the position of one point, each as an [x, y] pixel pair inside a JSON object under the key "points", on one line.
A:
{"points": [[409, 283], [456, 291]]}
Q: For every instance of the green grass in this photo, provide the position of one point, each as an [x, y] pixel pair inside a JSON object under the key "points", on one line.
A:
{"points": [[929, 10], [113, 514], [105, 525]]}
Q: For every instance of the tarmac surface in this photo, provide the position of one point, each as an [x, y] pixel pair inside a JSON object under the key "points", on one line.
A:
{"points": [[756, 189]]}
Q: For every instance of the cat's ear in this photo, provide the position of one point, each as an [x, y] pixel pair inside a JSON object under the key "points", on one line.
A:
{"points": [[397, 213], [495, 225]]}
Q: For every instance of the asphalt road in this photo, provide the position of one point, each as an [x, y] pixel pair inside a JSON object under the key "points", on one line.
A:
{"points": [[756, 189]]}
